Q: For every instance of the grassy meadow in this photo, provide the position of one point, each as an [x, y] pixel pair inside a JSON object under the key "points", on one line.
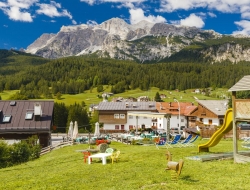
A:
{"points": [[91, 96], [139, 167]]}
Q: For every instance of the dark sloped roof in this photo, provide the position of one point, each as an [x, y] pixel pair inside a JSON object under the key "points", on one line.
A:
{"points": [[18, 123], [242, 85]]}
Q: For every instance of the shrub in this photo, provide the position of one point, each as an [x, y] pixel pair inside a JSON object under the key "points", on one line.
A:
{"points": [[20, 152], [34, 147], [4, 154]]}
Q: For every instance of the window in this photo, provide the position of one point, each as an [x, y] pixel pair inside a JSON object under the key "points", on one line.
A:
{"points": [[182, 120], [116, 116], [29, 115], [6, 118], [122, 116], [130, 117], [122, 127], [13, 103], [117, 127], [210, 121], [131, 127], [144, 117]]}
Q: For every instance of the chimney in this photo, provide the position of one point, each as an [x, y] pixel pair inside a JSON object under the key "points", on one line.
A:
{"points": [[169, 104], [38, 111]]}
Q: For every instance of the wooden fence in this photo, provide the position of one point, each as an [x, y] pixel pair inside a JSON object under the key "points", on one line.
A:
{"points": [[48, 149], [207, 133]]}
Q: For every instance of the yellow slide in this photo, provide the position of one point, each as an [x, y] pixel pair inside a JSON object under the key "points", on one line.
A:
{"points": [[225, 128]]}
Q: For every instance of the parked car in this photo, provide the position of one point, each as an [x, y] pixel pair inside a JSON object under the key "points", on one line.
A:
{"points": [[244, 126]]}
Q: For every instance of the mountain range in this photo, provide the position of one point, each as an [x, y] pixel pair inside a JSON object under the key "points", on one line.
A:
{"points": [[142, 42]]}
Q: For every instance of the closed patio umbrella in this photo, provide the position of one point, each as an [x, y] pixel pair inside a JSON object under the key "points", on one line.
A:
{"points": [[75, 131], [97, 129], [70, 131]]}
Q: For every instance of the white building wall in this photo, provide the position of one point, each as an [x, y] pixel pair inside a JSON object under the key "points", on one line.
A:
{"points": [[111, 126], [147, 121], [174, 122], [132, 120], [215, 121]]}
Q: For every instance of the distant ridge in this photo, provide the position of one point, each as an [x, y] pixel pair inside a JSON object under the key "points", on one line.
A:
{"points": [[142, 42]]}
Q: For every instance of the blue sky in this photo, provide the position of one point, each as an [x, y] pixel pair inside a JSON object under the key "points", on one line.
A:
{"points": [[23, 21]]}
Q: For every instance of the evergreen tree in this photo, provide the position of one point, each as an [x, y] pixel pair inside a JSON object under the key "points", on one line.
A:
{"points": [[60, 117], [157, 97], [79, 114], [99, 88]]}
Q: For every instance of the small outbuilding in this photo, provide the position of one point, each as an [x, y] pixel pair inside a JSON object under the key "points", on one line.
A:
{"points": [[20, 119], [241, 113]]}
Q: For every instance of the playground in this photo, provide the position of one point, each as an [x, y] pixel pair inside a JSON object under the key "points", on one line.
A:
{"points": [[145, 167], [239, 113], [138, 167]]}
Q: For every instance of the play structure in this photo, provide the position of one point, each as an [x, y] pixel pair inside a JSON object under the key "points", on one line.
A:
{"points": [[174, 167], [225, 128], [239, 113]]}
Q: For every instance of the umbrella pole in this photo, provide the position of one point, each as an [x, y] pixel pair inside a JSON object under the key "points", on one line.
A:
{"points": [[89, 140]]}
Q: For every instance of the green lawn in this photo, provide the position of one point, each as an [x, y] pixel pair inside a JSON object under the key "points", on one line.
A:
{"points": [[139, 167], [7, 93], [91, 96]]}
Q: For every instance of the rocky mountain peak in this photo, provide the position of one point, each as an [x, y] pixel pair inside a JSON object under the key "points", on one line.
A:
{"points": [[143, 42], [39, 43], [116, 26]]}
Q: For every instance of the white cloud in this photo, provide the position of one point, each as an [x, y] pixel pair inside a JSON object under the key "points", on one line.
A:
{"points": [[245, 15], [212, 14], [52, 11], [192, 20], [18, 9], [137, 15], [225, 6], [244, 26], [125, 3], [21, 10], [90, 2], [91, 23], [2, 4], [174, 22], [74, 22], [14, 13], [24, 4]]}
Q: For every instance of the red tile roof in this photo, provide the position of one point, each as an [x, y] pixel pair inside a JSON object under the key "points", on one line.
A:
{"points": [[172, 107]]}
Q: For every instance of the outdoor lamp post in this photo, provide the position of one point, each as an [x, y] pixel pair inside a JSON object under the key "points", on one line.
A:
{"points": [[136, 128], [179, 115], [168, 116]]}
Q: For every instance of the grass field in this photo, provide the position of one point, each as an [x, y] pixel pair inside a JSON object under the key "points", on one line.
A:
{"points": [[139, 167], [91, 96], [6, 94]]}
